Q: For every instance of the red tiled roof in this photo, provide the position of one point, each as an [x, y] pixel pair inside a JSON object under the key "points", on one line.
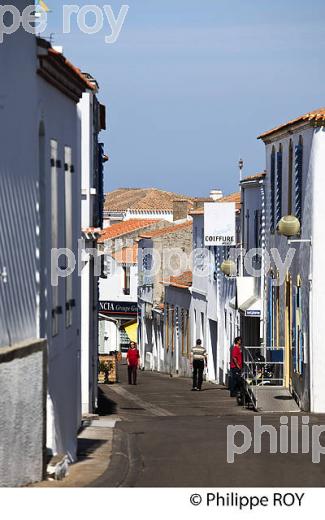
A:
{"points": [[184, 281], [167, 230], [127, 255], [142, 199], [233, 197], [256, 177], [125, 227], [314, 116]]}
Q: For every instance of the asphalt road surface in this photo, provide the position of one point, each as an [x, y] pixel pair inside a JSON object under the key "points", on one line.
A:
{"points": [[169, 436]]}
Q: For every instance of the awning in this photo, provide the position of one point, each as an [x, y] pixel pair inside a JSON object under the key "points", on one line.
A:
{"points": [[132, 331], [252, 307], [247, 300]]}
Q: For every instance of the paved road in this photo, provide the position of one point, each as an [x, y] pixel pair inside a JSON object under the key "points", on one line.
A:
{"points": [[169, 436]]}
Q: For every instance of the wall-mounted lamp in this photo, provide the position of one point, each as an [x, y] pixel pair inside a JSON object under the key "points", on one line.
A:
{"points": [[229, 267], [289, 226]]}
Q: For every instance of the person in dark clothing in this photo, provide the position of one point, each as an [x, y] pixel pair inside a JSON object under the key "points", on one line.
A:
{"points": [[133, 361], [236, 365], [198, 360]]}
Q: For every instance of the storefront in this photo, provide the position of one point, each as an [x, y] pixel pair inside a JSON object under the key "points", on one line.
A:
{"points": [[117, 325]]}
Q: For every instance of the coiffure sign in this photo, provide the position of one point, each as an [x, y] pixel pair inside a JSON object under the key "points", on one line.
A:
{"points": [[219, 224]]}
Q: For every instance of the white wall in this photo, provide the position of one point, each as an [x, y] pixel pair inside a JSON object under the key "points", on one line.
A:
{"points": [[301, 263]]}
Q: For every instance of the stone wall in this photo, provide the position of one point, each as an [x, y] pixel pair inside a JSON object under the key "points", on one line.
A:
{"points": [[23, 381]]}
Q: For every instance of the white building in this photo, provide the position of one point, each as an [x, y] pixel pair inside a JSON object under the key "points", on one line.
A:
{"points": [[118, 285], [40, 209], [175, 331], [158, 344], [92, 116], [250, 282], [145, 203], [295, 185], [214, 316]]}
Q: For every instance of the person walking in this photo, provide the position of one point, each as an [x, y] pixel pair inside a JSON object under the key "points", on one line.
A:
{"points": [[133, 361], [236, 365], [198, 360]]}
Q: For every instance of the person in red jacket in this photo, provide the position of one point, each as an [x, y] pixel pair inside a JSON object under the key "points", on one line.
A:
{"points": [[133, 361], [236, 365]]}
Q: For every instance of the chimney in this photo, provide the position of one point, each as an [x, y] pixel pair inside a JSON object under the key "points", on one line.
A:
{"points": [[216, 194], [180, 209]]}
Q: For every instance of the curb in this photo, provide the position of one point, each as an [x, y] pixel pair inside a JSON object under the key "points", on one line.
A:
{"points": [[118, 468]]}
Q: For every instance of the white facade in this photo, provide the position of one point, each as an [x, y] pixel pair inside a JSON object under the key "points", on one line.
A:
{"points": [[112, 289], [40, 170], [294, 309], [213, 316], [112, 217], [91, 218]]}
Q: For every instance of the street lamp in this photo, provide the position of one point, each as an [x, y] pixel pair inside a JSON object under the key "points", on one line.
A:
{"points": [[228, 267], [289, 226], [241, 166]]}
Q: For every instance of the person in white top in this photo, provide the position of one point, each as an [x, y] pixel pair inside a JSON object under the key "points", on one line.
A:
{"points": [[198, 360]]}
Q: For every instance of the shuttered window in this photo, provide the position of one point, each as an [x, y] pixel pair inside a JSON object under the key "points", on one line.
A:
{"points": [[278, 203], [272, 205], [298, 179]]}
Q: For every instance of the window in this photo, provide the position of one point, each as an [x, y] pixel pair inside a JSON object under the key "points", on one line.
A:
{"points": [[68, 170], [298, 179], [173, 328], [278, 202], [188, 334], [290, 177], [247, 229], [272, 179], [183, 331], [297, 334], [126, 280], [54, 231], [202, 328], [167, 328]]}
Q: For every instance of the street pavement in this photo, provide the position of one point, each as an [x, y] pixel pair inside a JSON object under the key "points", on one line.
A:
{"points": [[168, 436]]}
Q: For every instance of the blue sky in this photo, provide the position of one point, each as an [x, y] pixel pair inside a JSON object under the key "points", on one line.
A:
{"points": [[190, 84]]}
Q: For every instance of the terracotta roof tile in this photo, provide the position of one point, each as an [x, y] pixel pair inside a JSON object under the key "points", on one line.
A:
{"points": [[256, 177], [127, 255], [167, 230], [184, 281], [314, 116], [233, 197], [125, 227], [145, 199]]}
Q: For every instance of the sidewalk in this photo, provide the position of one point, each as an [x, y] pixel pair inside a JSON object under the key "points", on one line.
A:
{"points": [[94, 454]]}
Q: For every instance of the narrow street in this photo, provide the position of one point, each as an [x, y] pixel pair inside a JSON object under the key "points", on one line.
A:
{"points": [[168, 436]]}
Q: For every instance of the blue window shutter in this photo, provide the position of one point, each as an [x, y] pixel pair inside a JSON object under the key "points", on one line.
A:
{"points": [[298, 181], [279, 188], [272, 208]]}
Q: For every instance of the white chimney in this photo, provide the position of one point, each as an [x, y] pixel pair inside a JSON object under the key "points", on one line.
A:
{"points": [[216, 194], [58, 48]]}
